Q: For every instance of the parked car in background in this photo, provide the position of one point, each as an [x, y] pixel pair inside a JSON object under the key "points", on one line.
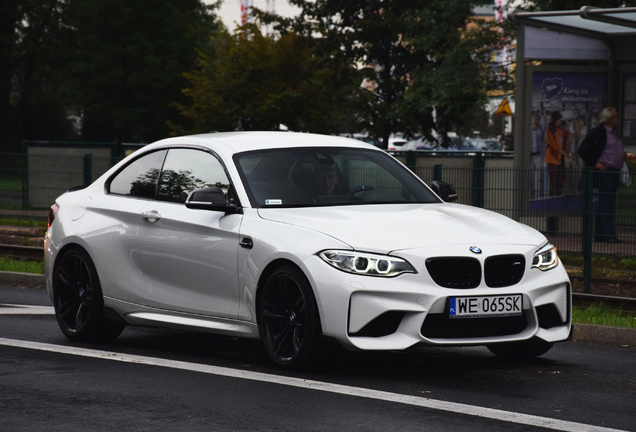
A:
{"points": [[410, 145], [422, 143], [396, 143], [282, 236], [488, 144], [465, 144]]}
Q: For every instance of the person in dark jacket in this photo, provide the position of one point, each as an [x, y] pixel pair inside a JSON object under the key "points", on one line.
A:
{"points": [[603, 150]]}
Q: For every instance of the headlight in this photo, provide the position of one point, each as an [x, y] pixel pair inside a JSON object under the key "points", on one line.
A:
{"points": [[366, 264], [545, 259]]}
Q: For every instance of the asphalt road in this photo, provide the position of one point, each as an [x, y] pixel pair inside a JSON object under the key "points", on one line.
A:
{"points": [[150, 379]]}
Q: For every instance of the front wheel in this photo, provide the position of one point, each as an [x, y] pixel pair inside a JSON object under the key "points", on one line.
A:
{"points": [[77, 297], [521, 350], [288, 317]]}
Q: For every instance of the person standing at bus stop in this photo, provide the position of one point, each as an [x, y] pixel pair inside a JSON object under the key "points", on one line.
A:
{"points": [[603, 150], [554, 153]]}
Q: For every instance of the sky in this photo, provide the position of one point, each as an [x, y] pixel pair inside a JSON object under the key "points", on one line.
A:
{"points": [[230, 11]]}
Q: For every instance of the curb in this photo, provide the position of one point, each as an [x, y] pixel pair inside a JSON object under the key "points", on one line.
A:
{"points": [[604, 335], [25, 214], [28, 280], [582, 333]]}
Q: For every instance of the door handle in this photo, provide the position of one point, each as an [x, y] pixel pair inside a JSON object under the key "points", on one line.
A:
{"points": [[246, 242], [151, 216]]}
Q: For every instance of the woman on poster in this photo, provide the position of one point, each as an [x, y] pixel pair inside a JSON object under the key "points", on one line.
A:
{"points": [[573, 164]]}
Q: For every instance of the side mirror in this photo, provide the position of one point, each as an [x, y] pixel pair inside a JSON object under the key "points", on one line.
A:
{"points": [[444, 190], [210, 198]]}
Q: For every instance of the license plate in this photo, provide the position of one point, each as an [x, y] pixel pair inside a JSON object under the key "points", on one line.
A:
{"points": [[475, 307]]}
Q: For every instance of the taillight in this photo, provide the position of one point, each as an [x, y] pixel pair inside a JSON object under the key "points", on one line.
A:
{"points": [[52, 213]]}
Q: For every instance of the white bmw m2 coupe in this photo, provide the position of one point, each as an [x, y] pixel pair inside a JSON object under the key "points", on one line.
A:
{"points": [[285, 237]]}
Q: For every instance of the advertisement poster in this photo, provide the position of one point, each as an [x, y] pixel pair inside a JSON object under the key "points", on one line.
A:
{"points": [[578, 100], [629, 108]]}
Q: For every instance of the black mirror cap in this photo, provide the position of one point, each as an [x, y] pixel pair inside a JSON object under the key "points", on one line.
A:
{"points": [[210, 198], [444, 190]]}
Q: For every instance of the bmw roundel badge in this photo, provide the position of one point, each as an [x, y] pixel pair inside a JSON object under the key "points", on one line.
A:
{"points": [[475, 249]]}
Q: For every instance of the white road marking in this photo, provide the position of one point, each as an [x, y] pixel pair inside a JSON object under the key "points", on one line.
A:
{"points": [[490, 413], [15, 309]]}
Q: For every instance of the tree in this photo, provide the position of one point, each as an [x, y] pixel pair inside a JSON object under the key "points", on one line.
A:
{"points": [[254, 82], [32, 58], [425, 60], [115, 65], [10, 15], [129, 60]]}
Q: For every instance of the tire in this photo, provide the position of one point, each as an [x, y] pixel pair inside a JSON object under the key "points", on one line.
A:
{"points": [[78, 301], [288, 317], [521, 350]]}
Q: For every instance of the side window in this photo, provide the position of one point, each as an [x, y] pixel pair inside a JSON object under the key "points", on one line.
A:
{"points": [[186, 170], [140, 177]]}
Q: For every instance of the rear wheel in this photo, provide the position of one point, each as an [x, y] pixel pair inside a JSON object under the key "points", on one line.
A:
{"points": [[78, 301], [521, 350], [288, 317]]}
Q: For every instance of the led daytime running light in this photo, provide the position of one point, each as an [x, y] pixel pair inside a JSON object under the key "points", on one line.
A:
{"points": [[366, 264], [546, 259]]}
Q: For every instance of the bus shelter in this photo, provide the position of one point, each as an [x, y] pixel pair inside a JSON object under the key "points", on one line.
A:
{"points": [[577, 62]]}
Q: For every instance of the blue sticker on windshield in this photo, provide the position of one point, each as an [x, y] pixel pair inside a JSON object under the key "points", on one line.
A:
{"points": [[273, 202]]}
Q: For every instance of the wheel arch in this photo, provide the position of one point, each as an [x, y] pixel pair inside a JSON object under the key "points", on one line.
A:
{"points": [[78, 299], [63, 251], [274, 265]]}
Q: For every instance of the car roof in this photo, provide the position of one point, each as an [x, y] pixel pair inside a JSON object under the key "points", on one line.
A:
{"points": [[237, 142]]}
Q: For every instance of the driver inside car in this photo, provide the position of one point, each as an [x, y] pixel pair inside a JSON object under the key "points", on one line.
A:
{"points": [[327, 179], [315, 176]]}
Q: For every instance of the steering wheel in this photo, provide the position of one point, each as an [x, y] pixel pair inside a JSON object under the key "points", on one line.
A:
{"points": [[360, 188]]}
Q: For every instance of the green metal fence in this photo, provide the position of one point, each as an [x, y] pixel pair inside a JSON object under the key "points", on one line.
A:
{"points": [[45, 169], [565, 215], [35, 180]]}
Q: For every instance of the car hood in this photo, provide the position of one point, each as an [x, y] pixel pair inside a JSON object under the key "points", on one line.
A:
{"points": [[386, 228]]}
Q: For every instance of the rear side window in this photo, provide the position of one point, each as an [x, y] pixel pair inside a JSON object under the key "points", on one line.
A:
{"points": [[140, 177]]}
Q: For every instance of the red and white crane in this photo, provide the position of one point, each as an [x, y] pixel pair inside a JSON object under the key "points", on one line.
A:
{"points": [[246, 5]]}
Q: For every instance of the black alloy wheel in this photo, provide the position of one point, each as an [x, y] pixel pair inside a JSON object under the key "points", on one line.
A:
{"points": [[288, 317], [78, 301]]}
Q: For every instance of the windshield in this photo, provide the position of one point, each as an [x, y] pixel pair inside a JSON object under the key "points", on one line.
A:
{"points": [[302, 177]]}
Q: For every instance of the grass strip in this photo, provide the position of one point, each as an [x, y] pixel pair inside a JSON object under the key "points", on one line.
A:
{"points": [[23, 222], [602, 314], [21, 266]]}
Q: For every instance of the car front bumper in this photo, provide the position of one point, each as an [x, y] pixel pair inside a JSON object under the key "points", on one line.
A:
{"points": [[374, 313]]}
